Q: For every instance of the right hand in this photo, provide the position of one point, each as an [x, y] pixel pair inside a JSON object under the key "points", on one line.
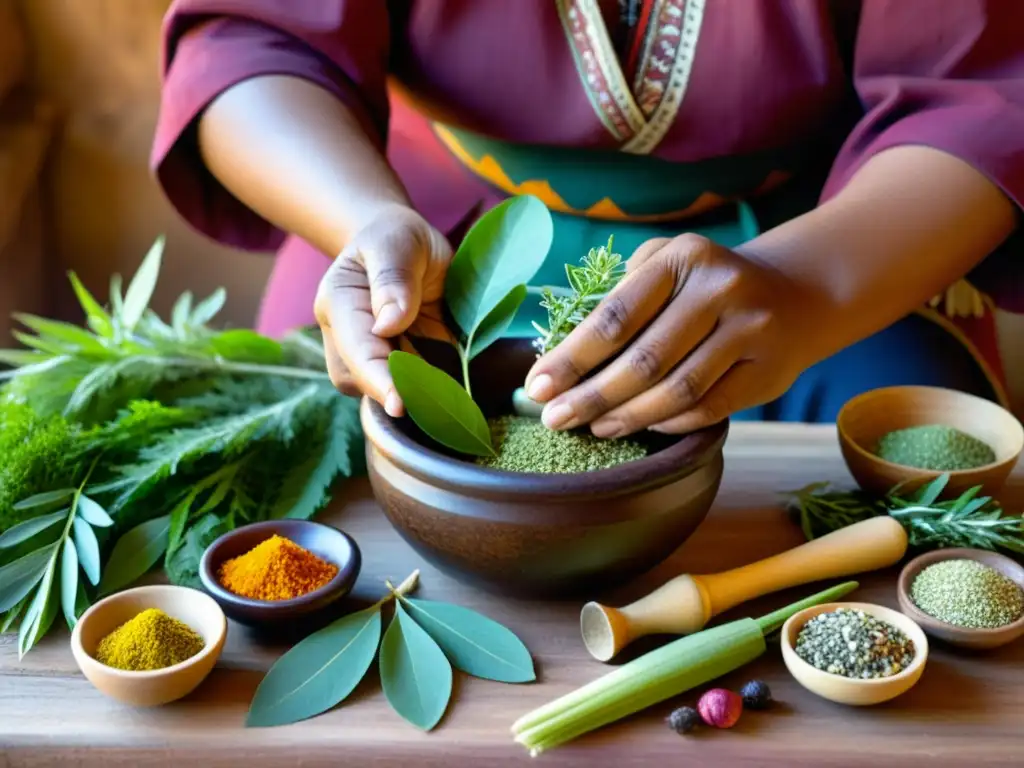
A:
{"points": [[388, 281]]}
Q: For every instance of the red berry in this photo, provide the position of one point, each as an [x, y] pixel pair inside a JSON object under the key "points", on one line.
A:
{"points": [[720, 708]]}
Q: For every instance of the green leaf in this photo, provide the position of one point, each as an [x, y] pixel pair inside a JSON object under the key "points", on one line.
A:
{"points": [[181, 313], [439, 405], [41, 611], [497, 321], [182, 566], [99, 317], [179, 518], [11, 617], [116, 297], [44, 345], [20, 357], [88, 548], [69, 581], [208, 308], [17, 578], [93, 513], [56, 330], [319, 672], [140, 289], [134, 554], [16, 534], [505, 248], [414, 672], [46, 499], [248, 346], [933, 490], [477, 645]]}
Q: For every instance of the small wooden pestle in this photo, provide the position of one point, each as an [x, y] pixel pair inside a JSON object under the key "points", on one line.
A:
{"points": [[686, 603]]}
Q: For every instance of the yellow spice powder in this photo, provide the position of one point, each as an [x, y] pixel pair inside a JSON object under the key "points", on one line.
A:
{"points": [[151, 640]]}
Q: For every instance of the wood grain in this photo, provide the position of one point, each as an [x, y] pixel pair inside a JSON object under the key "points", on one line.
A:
{"points": [[967, 709]]}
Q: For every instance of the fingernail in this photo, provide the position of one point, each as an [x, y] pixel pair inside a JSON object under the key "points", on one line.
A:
{"points": [[389, 315], [659, 428], [606, 429], [541, 388], [558, 417], [393, 404]]}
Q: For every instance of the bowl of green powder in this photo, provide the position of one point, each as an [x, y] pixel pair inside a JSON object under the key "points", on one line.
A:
{"points": [[908, 436], [555, 513], [971, 598]]}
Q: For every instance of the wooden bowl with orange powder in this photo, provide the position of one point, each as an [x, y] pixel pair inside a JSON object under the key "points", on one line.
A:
{"points": [[279, 570]]}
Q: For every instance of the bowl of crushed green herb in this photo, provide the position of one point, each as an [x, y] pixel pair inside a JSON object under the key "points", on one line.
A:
{"points": [[908, 436], [552, 514], [971, 598], [149, 645], [859, 654]]}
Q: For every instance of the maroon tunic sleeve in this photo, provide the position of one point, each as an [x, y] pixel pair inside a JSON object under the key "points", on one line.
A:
{"points": [[211, 45], [951, 78]]}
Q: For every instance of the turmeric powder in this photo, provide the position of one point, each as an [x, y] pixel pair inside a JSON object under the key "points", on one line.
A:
{"points": [[276, 569], [151, 640]]}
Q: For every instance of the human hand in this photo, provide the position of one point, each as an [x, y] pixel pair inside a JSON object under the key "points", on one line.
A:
{"points": [[693, 333], [388, 281]]}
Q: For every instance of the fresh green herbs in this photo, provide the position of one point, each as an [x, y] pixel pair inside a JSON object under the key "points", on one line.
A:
{"points": [[153, 438], [935, 447], [600, 270], [421, 645], [969, 520], [967, 593]]}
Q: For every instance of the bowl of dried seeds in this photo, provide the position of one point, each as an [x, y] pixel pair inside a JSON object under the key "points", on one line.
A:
{"points": [[858, 654], [908, 436], [965, 597]]}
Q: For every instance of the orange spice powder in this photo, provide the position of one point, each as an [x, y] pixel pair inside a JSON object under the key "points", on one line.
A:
{"points": [[277, 569]]}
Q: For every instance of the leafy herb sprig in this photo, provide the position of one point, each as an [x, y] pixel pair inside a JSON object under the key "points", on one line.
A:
{"points": [[970, 520], [424, 641]]}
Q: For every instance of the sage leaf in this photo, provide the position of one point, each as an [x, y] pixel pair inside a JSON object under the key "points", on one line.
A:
{"points": [[88, 548], [18, 577], [93, 513], [140, 289], [503, 249], [497, 321], [473, 643], [208, 308], [439, 405], [26, 530], [135, 553], [41, 611], [99, 318], [318, 672], [45, 499], [69, 581], [414, 672]]}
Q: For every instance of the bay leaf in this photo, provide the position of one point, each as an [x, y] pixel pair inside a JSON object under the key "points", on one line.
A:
{"points": [[140, 289], [18, 577], [474, 643], [497, 321], [45, 499], [88, 549], [414, 672], [135, 553], [439, 405], [93, 513], [69, 581], [319, 672], [26, 530]]}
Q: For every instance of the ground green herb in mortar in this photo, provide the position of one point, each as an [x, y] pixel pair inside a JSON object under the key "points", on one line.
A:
{"points": [[526, 445], [854, 644], [967, 593], [935, 447]]}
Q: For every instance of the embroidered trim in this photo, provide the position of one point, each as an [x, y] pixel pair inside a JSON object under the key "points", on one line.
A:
{"points": [[962, 300]]}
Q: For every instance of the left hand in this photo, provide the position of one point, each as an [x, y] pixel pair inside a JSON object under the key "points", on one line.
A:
{"points": [[693, 333]]}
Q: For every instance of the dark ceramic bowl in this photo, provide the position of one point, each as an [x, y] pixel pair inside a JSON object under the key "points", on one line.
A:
{"points": [[325, 542], [542, 535]]}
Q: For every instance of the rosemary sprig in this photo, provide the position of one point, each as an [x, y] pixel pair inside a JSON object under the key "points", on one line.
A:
{"points": [[969, 520], [598, 272]]}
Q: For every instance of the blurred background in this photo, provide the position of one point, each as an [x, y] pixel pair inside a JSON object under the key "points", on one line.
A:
{"points": [[78, 101]]}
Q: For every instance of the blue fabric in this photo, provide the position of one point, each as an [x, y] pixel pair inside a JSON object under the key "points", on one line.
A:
{"points": [[913, 351]]}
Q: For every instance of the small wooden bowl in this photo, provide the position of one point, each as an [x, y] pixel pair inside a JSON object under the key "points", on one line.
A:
{"points": [[847, 690], [325, 542], [159, 686], [975, 639], [865, 419]]}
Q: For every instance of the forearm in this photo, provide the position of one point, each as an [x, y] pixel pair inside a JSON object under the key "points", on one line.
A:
{"points": [[296, 155], [910, 223]]}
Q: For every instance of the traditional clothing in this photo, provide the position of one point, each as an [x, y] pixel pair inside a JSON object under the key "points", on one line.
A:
{"points": [[638, 119]]}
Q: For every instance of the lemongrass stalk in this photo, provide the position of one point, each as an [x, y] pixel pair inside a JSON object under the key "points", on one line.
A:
{"points": [[656, 676]]}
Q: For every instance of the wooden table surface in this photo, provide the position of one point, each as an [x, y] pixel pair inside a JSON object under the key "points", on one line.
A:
{"points": [[966, 709]]}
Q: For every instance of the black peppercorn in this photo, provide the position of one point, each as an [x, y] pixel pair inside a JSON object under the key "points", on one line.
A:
{"points": [[756, 694], [683, 719]]}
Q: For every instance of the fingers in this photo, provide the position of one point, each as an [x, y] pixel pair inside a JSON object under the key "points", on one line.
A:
{"points": [[395, 264], [645, 252], [336, 369], [732, 393]]}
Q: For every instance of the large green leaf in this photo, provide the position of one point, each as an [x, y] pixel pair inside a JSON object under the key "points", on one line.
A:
{"points": [[505, 248], [140, 289], [414, 672], [319, 672], [88, 548], [439, 405], [135, 553], [497, 321], [26, 530], [244, 345], [17, 578], [477, 645], [69, 581]]}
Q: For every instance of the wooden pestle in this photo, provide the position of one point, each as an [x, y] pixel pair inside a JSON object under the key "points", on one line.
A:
{"points": [[686, 603]]}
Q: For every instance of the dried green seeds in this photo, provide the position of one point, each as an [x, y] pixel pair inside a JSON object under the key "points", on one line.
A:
{"points": [[854, 644], [967, 593], [935, 447]]}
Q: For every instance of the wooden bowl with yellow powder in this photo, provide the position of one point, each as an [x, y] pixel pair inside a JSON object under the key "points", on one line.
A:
{"points": [[189, 625]]}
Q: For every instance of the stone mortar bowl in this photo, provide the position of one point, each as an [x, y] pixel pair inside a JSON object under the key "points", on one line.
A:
{"points": [[536, 535]]}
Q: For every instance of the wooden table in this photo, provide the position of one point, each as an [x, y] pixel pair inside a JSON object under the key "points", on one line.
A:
{"points": [[966, 709]]}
